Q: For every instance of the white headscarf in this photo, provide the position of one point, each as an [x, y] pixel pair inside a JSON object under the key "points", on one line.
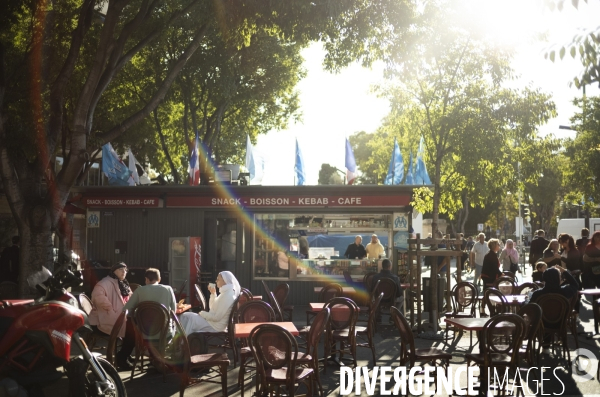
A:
{"points": [[511, 251], [229, 278]]}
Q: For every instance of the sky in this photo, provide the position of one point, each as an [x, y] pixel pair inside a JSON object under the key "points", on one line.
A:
{"points": [[334, 106]]}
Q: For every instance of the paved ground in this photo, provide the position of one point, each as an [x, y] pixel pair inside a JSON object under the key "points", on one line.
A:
{"points": [[557, 380]]}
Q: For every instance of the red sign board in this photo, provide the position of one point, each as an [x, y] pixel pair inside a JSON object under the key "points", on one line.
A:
{"points": [[121, 202], [350, 201]]}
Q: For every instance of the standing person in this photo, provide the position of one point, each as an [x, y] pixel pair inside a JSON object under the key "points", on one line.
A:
{"points": [[109, 298], [508, 256], [491, 264], [478, 252], [537, 247], [356, 250], [583, 241], [571, 259], [151, 292], [374, 248], [216, 319], [9, 261], [551, 255], [591, 260]]}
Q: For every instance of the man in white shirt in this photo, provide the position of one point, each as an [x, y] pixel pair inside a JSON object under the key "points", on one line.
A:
{"points": [[479, 250], [374, 248]]}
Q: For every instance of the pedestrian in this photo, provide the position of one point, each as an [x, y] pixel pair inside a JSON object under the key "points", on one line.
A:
{"points": [[509, 257], [537, 247], [478, 252]]}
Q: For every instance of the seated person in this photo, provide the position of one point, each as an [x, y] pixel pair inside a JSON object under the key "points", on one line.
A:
{"points": [[216, 319], [151, 292], [552, 278], [551, 255], [356, 250], [386, 266], [109, 298], [491, 264], [540, 267]]}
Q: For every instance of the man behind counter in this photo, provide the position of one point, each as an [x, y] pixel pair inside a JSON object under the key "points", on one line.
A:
{"points": [[356, 250], [374, 248]]}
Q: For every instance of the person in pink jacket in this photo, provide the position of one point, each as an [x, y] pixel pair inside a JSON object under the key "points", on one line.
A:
{"points": [[109, 297]]}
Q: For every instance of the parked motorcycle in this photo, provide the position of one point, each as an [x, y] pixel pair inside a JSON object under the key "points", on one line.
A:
{"points": [[36, 339]]}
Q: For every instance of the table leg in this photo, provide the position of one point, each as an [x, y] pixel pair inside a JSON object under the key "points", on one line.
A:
{"points": [[595, 310]]}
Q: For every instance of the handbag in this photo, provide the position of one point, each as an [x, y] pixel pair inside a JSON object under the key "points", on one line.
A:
{"points": [[514, 267]]}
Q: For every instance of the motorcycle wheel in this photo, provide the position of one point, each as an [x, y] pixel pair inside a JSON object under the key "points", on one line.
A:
{"points": [[82, 380]]}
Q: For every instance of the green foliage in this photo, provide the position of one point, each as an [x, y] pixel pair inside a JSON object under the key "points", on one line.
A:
{"points": [[328, 175], [583, 154], [451, 91]]}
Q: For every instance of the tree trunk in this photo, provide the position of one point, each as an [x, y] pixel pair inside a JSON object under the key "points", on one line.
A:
{"points": [[36, 244], [433, 314]]}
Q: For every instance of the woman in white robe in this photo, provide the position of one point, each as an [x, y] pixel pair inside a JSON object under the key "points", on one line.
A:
{"points": [[216, 319]]}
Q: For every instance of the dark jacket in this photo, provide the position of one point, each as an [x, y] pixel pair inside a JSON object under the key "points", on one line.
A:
{"points": [[552, 279], [491, 268], [355, 251], [581, 243], [536, 250], [387, 274]]}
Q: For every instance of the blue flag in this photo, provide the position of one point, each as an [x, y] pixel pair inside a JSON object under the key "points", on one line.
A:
{"points": [[194, 164], [299, 166], [114, 169], [421, 176], [396, 169], [410, 180], [350, 164]]}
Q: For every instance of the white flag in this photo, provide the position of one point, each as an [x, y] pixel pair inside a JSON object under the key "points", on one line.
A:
{"points": [[255, 163]]}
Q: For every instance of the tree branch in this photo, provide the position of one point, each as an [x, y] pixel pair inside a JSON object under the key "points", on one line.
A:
{"points": [[160, 93]]}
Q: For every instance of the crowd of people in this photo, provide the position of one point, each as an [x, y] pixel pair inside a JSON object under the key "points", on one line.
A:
{"points": [[113, 294]]}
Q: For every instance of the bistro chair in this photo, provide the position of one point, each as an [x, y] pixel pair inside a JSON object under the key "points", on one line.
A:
{"points": [[188, 365], [364, 313], [368, 280], [226, 339], [573, 316], [111, 348], [555, 313], [201, 299], [251, 312], [247, 293], [530, 351], [151, 322], [510, 274], [85, 303], [464, 303], [366, 334], [341, 328], [281, 293], [275, 351], [388, 287], [180, 293], [311, 357], [525, 288], [409, 354], [502, 337], [493, 307], [328, 292], [506, 285], [275, 305]]}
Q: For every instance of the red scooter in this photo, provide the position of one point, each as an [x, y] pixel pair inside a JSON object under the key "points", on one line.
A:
{"points": [[35, 343]]}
